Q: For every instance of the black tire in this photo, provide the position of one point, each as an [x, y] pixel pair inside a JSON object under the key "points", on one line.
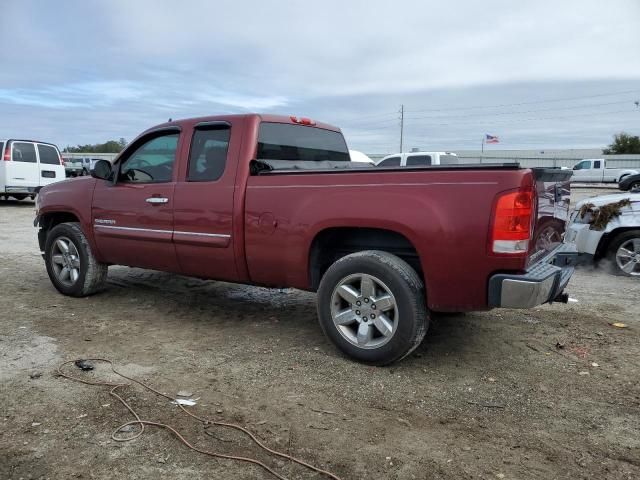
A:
{"points": [[403, 283], [19, 196], [92, 274], [85, 172], [615, 244]]}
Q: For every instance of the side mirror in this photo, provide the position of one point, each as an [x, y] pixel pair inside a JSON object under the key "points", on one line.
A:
{"points": [[102, 170], [575, 167]]}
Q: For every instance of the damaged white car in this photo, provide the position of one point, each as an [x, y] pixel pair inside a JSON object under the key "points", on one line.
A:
{"points": [[606, 230]]}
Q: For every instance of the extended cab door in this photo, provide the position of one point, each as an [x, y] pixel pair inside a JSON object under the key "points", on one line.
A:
{"points": [[203, 206], [133, 217]]}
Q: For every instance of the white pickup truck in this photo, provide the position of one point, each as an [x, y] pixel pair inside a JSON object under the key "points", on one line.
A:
{"points": [[418, 159], [594, 170]]}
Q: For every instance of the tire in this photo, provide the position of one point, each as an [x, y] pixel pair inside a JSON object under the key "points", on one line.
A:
{"points": [[630, 241], [19, 196], [85, 172], [346, 292], [90, 276]]}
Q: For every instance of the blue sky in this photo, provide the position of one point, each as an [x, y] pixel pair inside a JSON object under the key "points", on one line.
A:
{"points": [[539, 74]]}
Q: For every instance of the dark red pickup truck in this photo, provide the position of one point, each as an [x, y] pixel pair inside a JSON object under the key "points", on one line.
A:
{"points": [[276, 201]]}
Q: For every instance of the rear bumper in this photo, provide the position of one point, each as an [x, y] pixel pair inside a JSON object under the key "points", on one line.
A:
{"points": [[541, 283], [20, 189]]}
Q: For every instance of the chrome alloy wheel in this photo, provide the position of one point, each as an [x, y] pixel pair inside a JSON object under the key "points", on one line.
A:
{"points": [[364, 311], [65, 261], [628, 256]]}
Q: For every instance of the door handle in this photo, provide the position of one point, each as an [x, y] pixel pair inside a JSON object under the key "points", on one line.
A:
{"points": [[157, 200]]}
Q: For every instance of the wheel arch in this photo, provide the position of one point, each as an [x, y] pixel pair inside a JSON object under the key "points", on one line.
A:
{"points": [[332, 243], [608, 238], [48, 220]]}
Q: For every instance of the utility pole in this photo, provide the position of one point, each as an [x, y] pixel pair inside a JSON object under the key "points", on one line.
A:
{"points": [[401, 125]]}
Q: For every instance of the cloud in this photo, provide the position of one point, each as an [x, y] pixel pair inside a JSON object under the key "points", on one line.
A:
{"points": [[138, 61]]}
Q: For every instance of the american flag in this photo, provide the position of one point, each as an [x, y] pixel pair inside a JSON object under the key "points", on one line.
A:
{"points": [[490, 138]]}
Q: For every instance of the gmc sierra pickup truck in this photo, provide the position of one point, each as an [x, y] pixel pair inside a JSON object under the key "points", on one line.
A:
{"points": [[275, 201]]}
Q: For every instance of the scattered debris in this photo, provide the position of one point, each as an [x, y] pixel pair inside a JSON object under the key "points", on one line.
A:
{"points": [[83, 415], [35, 424], [599, 217], [127, 428], [486, 405], [594, 364], [317, 410], [584, 372], [34, 375], [403, 421], [573, 300], [184, 401], [491, 379], [618, 325], [579, 351], [317, 427], [185, 393], [83, 365], [559, 345]]}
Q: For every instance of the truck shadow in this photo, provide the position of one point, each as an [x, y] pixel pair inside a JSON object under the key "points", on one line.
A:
{"points": [[208, 303]]}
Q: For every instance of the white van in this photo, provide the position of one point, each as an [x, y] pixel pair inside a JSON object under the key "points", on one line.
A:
{"points": [[26, 166]]}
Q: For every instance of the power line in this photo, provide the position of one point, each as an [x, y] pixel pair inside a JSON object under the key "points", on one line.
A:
{"points": [[571, 107], [533, 102]]}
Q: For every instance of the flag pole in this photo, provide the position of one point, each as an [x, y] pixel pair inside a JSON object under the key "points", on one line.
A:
{"points": [[482, 150]]}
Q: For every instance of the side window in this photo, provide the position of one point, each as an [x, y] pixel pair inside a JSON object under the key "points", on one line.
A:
{"points": [[583, 165], [151, 162], [48, 154], [390, 162], [418, 160], [208, 154], [23, 152], [596, 164]]}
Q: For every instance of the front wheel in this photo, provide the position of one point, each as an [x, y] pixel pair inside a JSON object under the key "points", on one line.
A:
{"points": [[371, 305], [624, 254], [71, 266]]}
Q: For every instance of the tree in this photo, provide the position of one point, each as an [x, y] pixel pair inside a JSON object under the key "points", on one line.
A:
{"points": [[623, 143], [111, 146]]}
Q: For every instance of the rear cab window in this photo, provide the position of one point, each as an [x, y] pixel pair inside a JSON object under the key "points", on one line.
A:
{"points": [[418, 160], [285, 146], [23, 152], [390, 162], [48, 154]]}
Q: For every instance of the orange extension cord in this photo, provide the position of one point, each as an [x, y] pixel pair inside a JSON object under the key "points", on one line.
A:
{"points": [[142, 423]]}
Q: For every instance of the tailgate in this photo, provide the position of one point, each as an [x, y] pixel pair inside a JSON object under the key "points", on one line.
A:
{"points": [[553, 192]]}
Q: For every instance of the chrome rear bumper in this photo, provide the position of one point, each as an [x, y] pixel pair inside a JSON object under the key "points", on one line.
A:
{"points": [[541, 283]]}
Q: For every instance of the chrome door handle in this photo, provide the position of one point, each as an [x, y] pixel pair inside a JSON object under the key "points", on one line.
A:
{"points": [[157, 200]]}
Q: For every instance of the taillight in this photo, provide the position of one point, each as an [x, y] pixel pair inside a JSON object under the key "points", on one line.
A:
{"points": [[512, 222], [7, 153]]}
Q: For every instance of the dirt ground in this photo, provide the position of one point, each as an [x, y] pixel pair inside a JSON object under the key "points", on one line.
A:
{"points": [[549, 393]]}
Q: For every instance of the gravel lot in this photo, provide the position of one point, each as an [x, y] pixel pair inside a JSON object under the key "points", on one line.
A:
{"points": [[548, 393]]}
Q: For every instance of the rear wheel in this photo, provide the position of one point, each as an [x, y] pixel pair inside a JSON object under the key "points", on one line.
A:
{"points": [[71, 266], [624, 254], [371, 305]]}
